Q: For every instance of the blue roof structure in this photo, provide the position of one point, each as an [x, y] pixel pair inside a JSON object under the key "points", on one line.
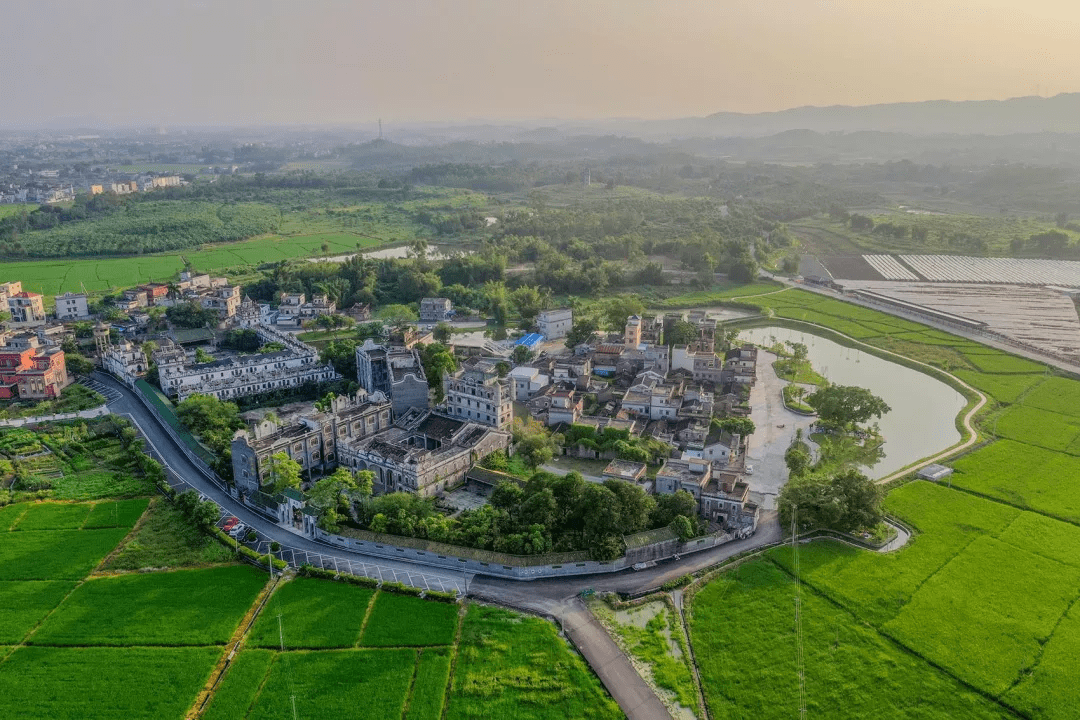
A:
{"points": [[530, 341]]}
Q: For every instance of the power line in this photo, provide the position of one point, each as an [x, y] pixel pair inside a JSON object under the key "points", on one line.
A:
{"points": [[799, 658]]}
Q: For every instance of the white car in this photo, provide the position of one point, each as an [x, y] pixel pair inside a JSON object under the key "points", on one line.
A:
{"points": [[238, 530], [749, 469]]}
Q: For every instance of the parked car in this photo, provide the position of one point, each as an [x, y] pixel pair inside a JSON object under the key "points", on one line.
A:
{"points": [[749, 469], [238, 530], [230, 524]]}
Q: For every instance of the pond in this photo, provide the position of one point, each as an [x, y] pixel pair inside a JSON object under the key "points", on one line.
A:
{"points": [[922, 421]]}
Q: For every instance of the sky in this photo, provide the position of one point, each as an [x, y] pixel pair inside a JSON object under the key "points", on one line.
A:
{"points": [[230, 62]]}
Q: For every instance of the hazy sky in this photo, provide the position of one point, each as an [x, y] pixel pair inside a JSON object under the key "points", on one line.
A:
{"points": [[274, 61]]}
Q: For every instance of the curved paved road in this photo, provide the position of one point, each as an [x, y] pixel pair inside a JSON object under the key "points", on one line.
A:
{"points": [[554, 597]]}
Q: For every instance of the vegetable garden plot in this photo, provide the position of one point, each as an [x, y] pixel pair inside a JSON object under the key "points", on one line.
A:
{"points": [[510, 666], [993, 595], [55, 554], [742, 630], [355, 684], [53, 516], [102, 683], [400, 620], [183, 607], [314, 614]]}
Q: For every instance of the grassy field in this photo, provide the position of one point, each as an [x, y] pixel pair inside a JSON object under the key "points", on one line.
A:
{"points": [[165, 539], [653, 636], [1046, 481], [54, 516], [510, 666], [983, 597], [55, 555], [184, 607], [429, 685], [238, 690]]}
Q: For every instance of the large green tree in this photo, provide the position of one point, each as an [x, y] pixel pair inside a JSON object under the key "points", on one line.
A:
{"points": [[845, 502], [845, 405]]}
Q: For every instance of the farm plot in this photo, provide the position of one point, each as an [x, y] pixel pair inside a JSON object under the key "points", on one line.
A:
{"points": [[116, 513], [357, 684], [992, 595], [237, 691], [55, 555], [1023, 475], [1038, 427], [1052, 691], [1060, 395], [102, 683], [877, 586], [184, 607], [26, 603], [743, 635], [889, 267], [314, 614], [992, 361], [400, 620], [1044, 536], [429, 685], [54, 516], [11, 514], [514, 666], [1003, 388]]}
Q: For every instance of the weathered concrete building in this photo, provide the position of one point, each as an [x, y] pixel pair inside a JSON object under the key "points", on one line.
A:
{"points": [[395, 371], [312, 438], [476, 393], [425, 453], [244, 375]]}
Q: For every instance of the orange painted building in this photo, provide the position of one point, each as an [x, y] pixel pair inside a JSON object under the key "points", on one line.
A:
{"points": [[30, 371]]}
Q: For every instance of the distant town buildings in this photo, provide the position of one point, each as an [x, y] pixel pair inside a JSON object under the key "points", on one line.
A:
{"points": [[294, 309]]}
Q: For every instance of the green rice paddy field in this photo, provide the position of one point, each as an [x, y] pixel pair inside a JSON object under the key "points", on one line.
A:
{"points": [[52, 277], [977, 617], [86, 644]]}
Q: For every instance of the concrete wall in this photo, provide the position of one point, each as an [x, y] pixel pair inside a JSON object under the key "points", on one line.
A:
{"points": [[657, 551]]}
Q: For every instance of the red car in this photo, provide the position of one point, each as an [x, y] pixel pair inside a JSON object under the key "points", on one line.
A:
{"points": [[230, 524]]}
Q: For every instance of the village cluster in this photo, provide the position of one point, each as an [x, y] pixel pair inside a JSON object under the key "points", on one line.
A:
{"points": [[631, 382]]}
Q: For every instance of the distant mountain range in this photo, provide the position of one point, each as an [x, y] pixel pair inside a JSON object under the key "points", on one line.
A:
{"points": [[1060, 113]]}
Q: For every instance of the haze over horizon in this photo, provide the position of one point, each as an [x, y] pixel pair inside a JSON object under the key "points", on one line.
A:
{"points": [[230, 62]]}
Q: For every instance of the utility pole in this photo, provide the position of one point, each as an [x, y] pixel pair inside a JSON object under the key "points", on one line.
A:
{"points": [[380, 128]]}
